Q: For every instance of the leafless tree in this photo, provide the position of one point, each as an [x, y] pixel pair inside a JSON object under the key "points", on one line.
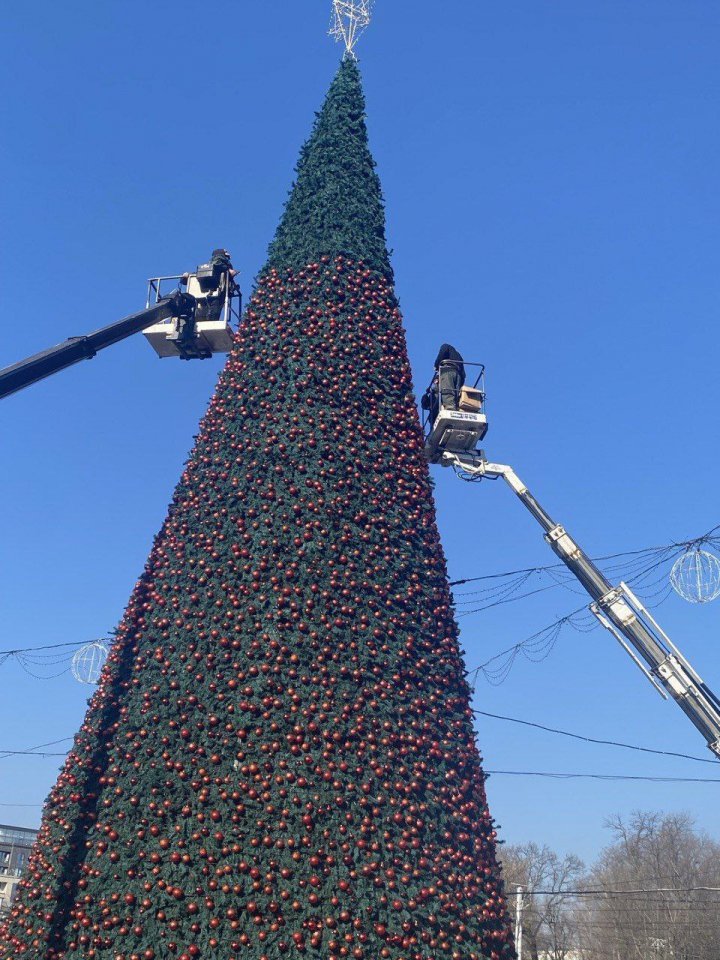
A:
{"points": [[548, 917], [654, 853]]}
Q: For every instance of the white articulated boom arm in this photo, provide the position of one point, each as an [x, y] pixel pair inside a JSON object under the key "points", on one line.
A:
{"points": [[617, 608]]}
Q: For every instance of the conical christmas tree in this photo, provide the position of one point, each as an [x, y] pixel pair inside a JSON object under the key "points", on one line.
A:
{"points": [[279, 760]]}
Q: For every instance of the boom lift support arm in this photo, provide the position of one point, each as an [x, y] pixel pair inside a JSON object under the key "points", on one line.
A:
{"points": [[199, 325], [75, 349], [617, 608]]}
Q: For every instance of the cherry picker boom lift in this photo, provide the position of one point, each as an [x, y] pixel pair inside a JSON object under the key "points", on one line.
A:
{"points": [[192, 324], [451, 438]]}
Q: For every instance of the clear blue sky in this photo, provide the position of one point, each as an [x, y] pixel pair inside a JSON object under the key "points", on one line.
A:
{"points": [[551, 177]]}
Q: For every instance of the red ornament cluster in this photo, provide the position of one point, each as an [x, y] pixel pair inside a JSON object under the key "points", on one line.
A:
{"points": [[279, 760]]}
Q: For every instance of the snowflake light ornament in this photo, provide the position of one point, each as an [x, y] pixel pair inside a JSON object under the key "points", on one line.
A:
{"points": [[349, 20]]}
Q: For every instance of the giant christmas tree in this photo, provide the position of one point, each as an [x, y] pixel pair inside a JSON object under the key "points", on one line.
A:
{"points": [[279, 760]]}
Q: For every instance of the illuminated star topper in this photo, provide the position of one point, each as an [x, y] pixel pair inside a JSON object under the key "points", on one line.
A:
{"points": [[349, 20]]}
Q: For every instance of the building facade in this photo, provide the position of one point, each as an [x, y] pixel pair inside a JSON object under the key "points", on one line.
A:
{"points": [[15, 844]]}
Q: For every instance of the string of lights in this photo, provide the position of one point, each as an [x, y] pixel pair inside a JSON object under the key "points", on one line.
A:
{"points": [[535, 648], [35, 751], [638, 569], [52, 646], [50, 661], [710, 538], [540, 645]]}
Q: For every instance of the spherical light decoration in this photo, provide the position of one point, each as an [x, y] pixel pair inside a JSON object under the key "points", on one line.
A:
{"points": [[88, 661], [695, 576]]}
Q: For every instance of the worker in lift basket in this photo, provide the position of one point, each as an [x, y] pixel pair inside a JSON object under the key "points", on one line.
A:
{"points": [[220, 261], [223, 278], [451, 376], [447, 383]]}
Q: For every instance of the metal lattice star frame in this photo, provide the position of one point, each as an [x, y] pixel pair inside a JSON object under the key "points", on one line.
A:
{"points": [[349, 20]]}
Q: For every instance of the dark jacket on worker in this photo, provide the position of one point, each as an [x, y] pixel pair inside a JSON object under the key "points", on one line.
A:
{"points": [[448, 352], [451, 376]]}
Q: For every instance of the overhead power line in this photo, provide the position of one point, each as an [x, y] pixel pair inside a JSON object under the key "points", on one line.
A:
{"points": [[611, 893], [18, 805], [597, 776], [606, 743], [35, 752], [609, 912]]}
